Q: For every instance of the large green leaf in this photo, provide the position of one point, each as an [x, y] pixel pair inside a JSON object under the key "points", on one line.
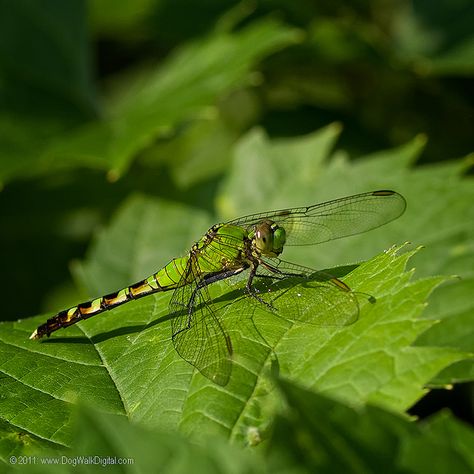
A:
{"points": [[123, 361], [145, 106], [294, 172], [150, 105]]}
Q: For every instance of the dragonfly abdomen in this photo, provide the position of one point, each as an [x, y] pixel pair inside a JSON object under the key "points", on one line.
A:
{"points": [[168, 278]]}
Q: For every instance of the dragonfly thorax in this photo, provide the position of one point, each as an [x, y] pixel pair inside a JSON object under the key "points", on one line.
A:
{"points": [[269, 238]]}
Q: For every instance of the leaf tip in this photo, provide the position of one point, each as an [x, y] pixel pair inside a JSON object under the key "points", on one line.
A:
{"points": [[113, 175], [336, 127], [421, 139]]}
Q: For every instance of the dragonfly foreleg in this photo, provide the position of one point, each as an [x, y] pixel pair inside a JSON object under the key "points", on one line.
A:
{"points": [[206, 281], [253, 292], [280, 275]]}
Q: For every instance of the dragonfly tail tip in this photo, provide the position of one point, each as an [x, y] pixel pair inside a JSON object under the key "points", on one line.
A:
{"points": [[34, 335]]}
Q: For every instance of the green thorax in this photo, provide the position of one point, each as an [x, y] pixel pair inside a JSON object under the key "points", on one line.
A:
{"points": [[224, 247]]}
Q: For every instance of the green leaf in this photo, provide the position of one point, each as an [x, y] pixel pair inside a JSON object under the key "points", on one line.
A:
{"points": [[457, 61], [319, 434], [144, 236], [259, 175], [442, 444], [297, 172], [124, 362], [105, 441], [314, 433], [203, 149], [145, 106], [434, 46], [152, 104]]}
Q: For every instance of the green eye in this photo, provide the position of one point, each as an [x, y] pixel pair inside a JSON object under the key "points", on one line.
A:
{"points": [[279, 238]]}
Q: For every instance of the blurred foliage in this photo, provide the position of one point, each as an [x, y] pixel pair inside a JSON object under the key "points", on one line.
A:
{"points": [[204, 108], [314, 434]]}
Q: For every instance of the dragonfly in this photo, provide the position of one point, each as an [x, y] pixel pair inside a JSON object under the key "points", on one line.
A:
{"points": [[251, 244]]}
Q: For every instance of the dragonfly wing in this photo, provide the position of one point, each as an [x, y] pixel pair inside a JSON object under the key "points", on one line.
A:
{"points": [[198, 335], [306, 295], [334, 219]]}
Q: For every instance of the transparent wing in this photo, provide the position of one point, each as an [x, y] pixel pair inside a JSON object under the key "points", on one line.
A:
{"points": [[333, 219], [306, 295], [222, 253], [197, 333]]}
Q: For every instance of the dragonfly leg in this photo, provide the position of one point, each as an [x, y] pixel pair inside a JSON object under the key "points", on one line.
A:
{"points": [[279, 275], [213, 277], [208, 280], [252, 291]]}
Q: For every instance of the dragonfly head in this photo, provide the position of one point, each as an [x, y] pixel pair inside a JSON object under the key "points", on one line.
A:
{"points": [[269, 238]]}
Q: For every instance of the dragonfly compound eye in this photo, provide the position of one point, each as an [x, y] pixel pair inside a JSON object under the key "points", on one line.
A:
{"points": [[279, 239], [269, 238], [264, 238]]}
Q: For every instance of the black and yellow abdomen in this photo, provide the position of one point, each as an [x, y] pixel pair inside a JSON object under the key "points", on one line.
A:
{"points": [[168, 278]]}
